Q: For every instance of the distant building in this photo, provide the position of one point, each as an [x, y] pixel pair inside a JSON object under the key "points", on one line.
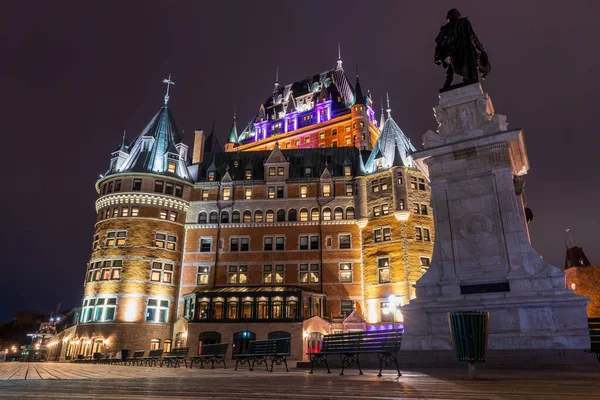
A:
{"points": [[305, 225], [584, 278]]}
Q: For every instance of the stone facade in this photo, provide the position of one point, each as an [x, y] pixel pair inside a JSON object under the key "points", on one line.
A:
{"points": [[483, 259]]}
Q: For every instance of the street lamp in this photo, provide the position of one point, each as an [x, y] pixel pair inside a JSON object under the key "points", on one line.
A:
{"points": [[392, 306]]}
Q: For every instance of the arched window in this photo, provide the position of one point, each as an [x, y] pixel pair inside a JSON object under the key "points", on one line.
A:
{"points": [[350, 213], [338, 213], [235, 217], [276, 308], [258, 216], [202, 218], [327, 214], [292, 215], [314, 214], [208, 337], [180, 339], [281, 335], [280, 215], [270, 216], [247, 216], [304, 215], [214, 216], [224, 217]]}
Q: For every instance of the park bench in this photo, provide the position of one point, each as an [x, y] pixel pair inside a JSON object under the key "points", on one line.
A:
{"points": [[135, 358], [211, 353], [349, 346], [153, 357], [95, 359], [115, 358], [594, 325], [175, 357], [260, 350]]}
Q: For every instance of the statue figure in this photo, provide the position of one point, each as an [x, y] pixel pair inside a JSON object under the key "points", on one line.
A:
{"points": [[459, 51]]}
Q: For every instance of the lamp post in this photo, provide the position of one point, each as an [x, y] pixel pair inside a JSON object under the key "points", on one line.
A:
{"points": [[392, 306]]}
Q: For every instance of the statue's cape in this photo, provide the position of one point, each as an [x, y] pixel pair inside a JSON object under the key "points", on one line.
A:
{"points": [[455, 40]]}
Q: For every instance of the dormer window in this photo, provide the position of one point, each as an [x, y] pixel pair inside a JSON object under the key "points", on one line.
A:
{"points": [[271, 171], [248, 175], [347, 171], [379, 164], [326, 190], [211, 176], [171, 167], [307, 172], [236, 163], [113, 165], [280, 171], [226, 193]]}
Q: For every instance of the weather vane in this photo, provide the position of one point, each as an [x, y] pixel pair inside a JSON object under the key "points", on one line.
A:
{"points": [[169, 82]]}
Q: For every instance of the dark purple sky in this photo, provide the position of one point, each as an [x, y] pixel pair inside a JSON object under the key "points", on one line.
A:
{"points": [[74, 75]]}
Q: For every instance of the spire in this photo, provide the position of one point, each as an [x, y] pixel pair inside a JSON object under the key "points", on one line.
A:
{"points": [[389, 110], [233, 135], [169, 82], [124, 143], [277, 78], [359, 98], [339, 60], [382, 122]]}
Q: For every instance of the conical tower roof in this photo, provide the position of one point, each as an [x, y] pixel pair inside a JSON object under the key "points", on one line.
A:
{"points": [[233, 135], [359, 97]]}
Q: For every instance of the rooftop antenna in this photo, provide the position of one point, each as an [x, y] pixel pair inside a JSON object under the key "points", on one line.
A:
{"points": [[568, 230], [339, 60], [389, 110], [169, 82], [277, 77]]}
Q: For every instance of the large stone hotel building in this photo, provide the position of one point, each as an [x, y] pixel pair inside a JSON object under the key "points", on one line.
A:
{"points": [[303, 224]]}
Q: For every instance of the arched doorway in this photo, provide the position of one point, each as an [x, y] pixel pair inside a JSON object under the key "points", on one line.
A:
{"points": [[241, 340], [208, 337]]}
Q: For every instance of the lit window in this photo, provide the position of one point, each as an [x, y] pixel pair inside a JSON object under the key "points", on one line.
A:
{"points": [[287, 145], [344, 241], [384, 184], [383, 267], [248, 174], [205, 195], [338, 213], [303, 191], [105, 270], [310, 273], [271, 171], [280, 171], [348, 140], [157, 311], [165, 241], [237, 274], [426, 236], [387, 234], [347, 128], [205, 245], [135, 211], [401, 204], [326, 190], [350, 213], [418, 233], [377, 235], [376, 211], [115, 212], [326, 214], [425, 262], [258, 216], [345, 272], [226, 193], [270, 216], [211, 176], [271, 192], [297, 142], [172, 167], [173, 216], [413, 183], [314, 214], [349, 189], [161, 272], [400, 179], [163, 214], [248, 193], [375, 186], [202, 278], [362, 124], [416, 208], [304, 215], [116, 238], [271, 275], [385, 209], [100, 309], [322, 135], [124, 212]]}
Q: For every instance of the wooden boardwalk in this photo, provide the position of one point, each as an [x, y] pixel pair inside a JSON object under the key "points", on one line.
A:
{"points": [[85, 381]]}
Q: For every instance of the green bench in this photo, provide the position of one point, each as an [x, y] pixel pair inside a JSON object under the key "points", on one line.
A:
{"points": [[211, 353], [594, 325], [175, 357], [259, 351]]}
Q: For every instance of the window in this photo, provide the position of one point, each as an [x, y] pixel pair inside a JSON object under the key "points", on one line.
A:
{"points": [[387, 234], [425, 262], [271, 275], [314, 214], [327, 214], [224, 217], [202, 278], [424, 209], [280, 215], [421, 184], [245, 244], [235, 217], [237, 274], [333, 132], [248, 174], [347, 170], [307, 172], [135, 211], [334, 143], [297, 142], [307, 139], [124, 212], [271, 192], [418, 233], [178, 191], [270, 216], [205, 245], [116, 238], [202, 218], [169, 188], [163, 214], [385, 209], [328, 241], [115, 212], [304, 215], [159, 186], [268, 244], [157, 311], [375, 186], [400, 179], [426, 236], [171, 167], [310, 273], [96, 242], [280, 243], [173, 216], [309, 242], [349, 189], [258, 216], [292, 215], [383, 270], [280, 192], [226, 193], [326, 190], [100, 309], [118, 185], [413, 183], [377, 235], [165, 241], [401, 204], [239, 244], [344, 241], [346, 307], [321, 135], [348, 140], [214, 217], [108, 270], [211, 176], [416, 208], [376, 211], [362, 124], [137, 185], [280, 171], [287, 145], [338, 213], [350, 213], [248, 194], [271, 171], [205, 195], [161, 272], [384, 184], [347, 128], [345, 272], [303, 190]]}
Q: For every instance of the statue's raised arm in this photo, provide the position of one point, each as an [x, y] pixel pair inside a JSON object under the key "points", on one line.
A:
{"points": [[459, 50]]}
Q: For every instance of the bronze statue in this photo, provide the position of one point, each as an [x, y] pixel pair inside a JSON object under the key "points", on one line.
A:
{"points": [[459, 51]]}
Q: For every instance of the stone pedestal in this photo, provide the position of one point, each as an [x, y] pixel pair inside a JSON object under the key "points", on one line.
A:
{"points": [[483, 259]]}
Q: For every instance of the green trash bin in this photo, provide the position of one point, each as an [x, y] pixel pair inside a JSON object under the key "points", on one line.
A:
{"points": [[469, 331]]}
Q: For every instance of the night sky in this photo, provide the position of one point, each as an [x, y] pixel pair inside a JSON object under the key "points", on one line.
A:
{"points": [[74, 75]]}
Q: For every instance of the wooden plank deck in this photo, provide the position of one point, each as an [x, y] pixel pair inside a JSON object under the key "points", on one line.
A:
{"points": [[87, 381]]}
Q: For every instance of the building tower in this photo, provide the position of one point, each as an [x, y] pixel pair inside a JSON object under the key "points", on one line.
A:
{"points": [[583, 278], [132, 281]]}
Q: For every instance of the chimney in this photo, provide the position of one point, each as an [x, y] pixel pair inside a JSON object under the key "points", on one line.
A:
{"points": [[198, 151]]}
